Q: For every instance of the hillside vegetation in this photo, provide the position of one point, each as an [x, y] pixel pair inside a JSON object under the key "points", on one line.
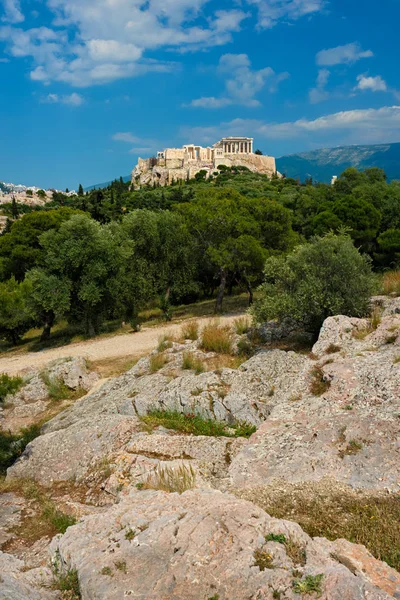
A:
{"points": [[109, 253]]}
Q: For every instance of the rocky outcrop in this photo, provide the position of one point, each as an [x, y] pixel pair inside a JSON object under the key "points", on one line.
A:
{"points": [[18, 584], [32, 401], [327, 422], [205, 544]]}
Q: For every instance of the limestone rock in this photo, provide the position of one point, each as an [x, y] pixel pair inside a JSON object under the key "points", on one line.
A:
{"points": [[17, 584], [206, 544], [74, 373]]}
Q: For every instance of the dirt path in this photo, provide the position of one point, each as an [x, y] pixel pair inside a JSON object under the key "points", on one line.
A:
{"points": [[131, 344]]}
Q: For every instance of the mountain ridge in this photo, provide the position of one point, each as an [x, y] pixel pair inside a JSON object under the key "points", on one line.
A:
{"points": [[322, 164]]}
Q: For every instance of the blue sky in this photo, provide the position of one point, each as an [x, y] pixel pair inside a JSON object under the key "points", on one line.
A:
{"points": [[88, 85]]}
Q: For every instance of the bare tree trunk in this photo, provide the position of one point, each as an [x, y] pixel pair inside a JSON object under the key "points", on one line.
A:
{"points": [[49, 318], [249, 289], [221, 290]]}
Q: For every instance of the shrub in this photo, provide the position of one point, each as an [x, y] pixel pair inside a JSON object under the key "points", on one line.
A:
{"points": [[56, 387], [245, 348], [9, 385], [68, 582], [190, 362], [263, 560], [196, 425], [311, 583], [190, 330], [216, 338], [326, 277], [13, 445]]}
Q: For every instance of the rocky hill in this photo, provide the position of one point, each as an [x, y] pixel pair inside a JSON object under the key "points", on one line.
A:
{"points": [[322, 164], [187, 474]]}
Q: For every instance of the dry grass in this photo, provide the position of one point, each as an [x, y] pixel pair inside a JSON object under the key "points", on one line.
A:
{"points": [[192, 363], [376, 317], [319, 385], [170, 479], [224, 361], [373, 521], [157, 362], [361, 334], [391, 283], [165, 342], [44, 518], [294, 551], [216, 338], [241, 325], [332, 349], [112, 367], [190, 330]]}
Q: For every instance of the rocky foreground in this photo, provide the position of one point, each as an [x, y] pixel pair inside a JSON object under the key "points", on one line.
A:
{"points": [[327, 422]]}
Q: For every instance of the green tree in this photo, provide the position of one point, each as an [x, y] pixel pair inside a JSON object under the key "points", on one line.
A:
{"points": [[80, 190], [222, 221], [41, 194], [326, 277], [14, 208], [49, 298], [360, 216], [86, 263], [15, 315], [20, 249], [389, 246], [164, 249]]}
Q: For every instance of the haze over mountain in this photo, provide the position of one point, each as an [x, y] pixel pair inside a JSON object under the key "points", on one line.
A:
{"points": [[322, 164]]}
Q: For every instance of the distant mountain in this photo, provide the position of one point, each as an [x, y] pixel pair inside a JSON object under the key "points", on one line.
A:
{"points": [[322, 164], [106, 184]]}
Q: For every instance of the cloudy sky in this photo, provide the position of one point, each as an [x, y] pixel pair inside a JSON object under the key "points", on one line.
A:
{"points": [[88, 85]]}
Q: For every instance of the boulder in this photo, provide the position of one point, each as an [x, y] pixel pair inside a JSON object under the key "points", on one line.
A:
{"points": [[205, 544], [17, 584]]}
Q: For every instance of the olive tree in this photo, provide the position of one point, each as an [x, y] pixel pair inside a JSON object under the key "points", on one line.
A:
{"points": [[325, 277]]}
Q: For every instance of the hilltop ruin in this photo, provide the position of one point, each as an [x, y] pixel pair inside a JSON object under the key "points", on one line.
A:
{"points": [[174, 164]]}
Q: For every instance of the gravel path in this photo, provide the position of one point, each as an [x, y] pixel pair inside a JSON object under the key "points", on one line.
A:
{"points": [[131, 344]]}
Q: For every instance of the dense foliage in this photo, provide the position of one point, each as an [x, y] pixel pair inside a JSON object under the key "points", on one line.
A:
{"points": [[107, 253], [326, 277]]}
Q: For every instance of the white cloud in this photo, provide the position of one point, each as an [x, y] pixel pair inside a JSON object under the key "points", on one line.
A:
{"points": [[73, 99], [369, 126], [126, 136], [272, 11], [146, 146], [12, 11], [98, 41], [348, 54], [242, 83], [374, 84], [144, 150], [319, 93]]}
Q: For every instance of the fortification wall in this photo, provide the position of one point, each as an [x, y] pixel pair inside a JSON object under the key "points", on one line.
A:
{"points": [[174, 153], [258, 164]]}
